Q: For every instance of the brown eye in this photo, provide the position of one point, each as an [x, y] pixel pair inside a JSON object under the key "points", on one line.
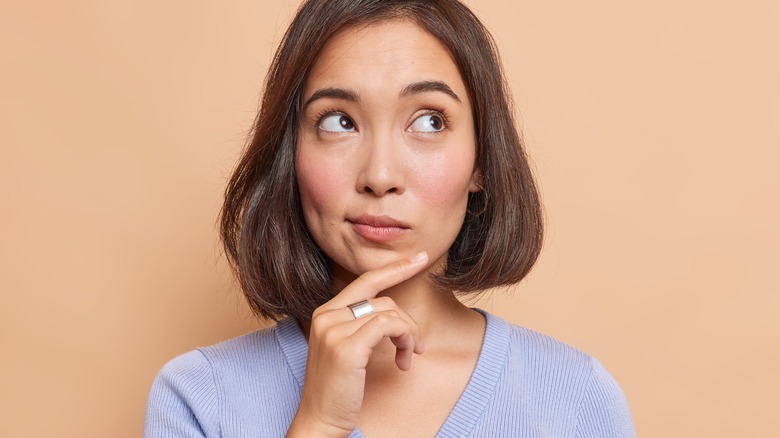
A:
{"points": [[337, 123], [428, 123]]}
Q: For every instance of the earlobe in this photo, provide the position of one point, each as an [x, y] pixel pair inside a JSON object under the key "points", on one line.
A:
{"points": [[476, 183]]}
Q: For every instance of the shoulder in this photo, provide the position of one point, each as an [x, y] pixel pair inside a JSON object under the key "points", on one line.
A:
{"points": [[244, 354], [550, 375], [604, 409], [184, 399], [253, 349], [250, 352], [537, 355], [189, 391], [536, 346]]}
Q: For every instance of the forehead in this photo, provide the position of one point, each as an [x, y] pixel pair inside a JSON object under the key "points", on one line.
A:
{"points": [[384, 56]]}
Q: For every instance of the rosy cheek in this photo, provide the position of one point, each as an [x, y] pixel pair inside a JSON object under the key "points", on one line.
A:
{"points": [[318, 182], [444, 181]]}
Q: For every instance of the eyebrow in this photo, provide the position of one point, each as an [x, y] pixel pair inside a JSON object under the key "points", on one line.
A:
{"points": [[413, 88], [427, 86], [333, 93]]}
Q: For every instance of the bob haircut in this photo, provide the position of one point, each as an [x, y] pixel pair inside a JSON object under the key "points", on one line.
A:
{"points": [[280, 268]]}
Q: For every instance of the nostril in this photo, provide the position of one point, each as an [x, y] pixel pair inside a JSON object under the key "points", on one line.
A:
{"points": [[380, 192]]}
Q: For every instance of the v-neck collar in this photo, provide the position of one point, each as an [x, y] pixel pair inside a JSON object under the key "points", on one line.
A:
{"points": [[473, 401]]}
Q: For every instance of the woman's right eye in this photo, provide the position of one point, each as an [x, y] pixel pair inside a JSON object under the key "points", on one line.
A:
{"points": [[337, 123]]}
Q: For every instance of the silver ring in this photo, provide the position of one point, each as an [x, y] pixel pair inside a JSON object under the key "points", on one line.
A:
{"points": [[361, 309]]}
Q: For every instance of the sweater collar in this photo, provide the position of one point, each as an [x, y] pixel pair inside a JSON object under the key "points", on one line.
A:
{"points": [[473, 401]]}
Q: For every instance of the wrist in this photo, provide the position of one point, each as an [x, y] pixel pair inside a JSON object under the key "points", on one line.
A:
{"points": [[304, 426]]}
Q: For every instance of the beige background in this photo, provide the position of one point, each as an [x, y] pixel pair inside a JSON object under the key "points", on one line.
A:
{"points": [[653, 127]]}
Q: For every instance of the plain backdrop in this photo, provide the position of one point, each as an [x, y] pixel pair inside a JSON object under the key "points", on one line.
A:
{"points": [[653, 128]]}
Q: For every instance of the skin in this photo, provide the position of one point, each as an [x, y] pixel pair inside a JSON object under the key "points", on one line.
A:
{"points": [[387, 132]]}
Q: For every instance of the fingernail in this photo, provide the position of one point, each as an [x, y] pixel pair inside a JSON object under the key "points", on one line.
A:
{"points": [[419, 258]]}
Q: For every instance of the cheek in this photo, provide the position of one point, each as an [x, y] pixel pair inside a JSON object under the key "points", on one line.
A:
{"points": [[318, 183], [444, 180]]}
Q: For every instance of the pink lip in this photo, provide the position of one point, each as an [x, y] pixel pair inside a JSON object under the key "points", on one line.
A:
{"points": [[378, 228]]}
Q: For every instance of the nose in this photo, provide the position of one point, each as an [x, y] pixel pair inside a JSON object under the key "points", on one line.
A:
{"points": [[381, 168]]}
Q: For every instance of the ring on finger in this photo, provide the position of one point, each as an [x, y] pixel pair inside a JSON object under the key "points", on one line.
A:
{"points": [[361, 308]]}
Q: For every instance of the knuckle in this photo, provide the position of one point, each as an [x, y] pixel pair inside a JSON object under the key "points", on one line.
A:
{"points": [[330, 338], [383, 319], [402, 266], [318, 323]]}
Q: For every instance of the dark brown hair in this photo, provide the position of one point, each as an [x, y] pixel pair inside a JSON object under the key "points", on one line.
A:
{"points": [[278, 265]]}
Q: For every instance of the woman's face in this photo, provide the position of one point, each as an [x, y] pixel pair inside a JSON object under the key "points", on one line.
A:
{"points": [[385, 152]]}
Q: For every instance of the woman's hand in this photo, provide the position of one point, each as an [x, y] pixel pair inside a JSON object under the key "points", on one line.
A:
{"points": [[340, 346]]}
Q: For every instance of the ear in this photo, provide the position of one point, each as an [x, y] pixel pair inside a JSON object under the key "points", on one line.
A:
{"points": [[477, 182]]}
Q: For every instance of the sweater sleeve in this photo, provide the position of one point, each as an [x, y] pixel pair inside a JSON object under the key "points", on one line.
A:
{"points": [[184, 400], [603, 412]]}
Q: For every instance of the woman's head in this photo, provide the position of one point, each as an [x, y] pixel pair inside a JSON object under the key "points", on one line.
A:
{"points": [[282, 256]]}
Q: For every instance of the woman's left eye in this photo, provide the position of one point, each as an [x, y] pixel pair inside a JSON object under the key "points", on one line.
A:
{"points": [[428, 123]]}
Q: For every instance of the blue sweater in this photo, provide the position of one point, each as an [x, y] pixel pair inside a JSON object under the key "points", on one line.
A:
{"points": [[524, 385]]}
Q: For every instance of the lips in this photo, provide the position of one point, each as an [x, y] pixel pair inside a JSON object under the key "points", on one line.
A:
{"points": [[378, 228]]}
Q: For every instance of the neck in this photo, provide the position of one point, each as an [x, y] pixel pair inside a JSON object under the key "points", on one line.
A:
{"points": [[433, 308]]}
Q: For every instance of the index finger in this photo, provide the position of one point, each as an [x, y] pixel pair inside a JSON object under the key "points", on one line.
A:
{"points": [[370, 283]]}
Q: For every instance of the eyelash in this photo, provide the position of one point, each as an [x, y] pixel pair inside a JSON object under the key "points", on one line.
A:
{"points": [[326, 112], [437, 111], [431, 110]]}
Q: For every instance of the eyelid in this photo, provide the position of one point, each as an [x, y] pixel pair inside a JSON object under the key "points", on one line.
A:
{"points": [[431, 112], [324, 114]]}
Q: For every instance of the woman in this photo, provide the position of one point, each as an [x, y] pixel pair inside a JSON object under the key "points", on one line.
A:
{"points": [[384, 176]]}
